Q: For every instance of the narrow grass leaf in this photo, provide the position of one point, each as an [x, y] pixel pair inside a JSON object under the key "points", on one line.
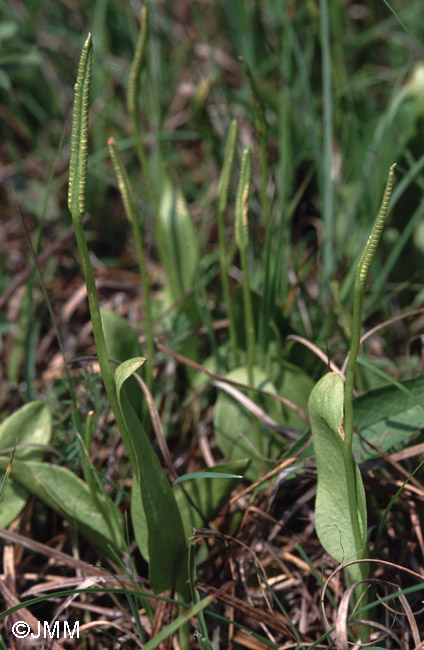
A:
{"points": [[258, 104], [224, 183], [203, 634], [196, 475], [327, 155], [203, 498], [390, 505], [179, 622]]}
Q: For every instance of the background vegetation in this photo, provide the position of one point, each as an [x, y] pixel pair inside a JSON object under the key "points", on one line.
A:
{"points": [[327, 97]]}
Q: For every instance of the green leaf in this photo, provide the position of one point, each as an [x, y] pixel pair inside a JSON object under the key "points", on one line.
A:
{"points": [[210, 474], [166, 544], [208, 494], [181, 620], [295, 385], [387, 401], [122, 344], [121, 340], [240, 435], [60, 489], [8, 29], [32, 425], [5, 81], [177, 240], [138, 519], [388, 416], [332, 515]]}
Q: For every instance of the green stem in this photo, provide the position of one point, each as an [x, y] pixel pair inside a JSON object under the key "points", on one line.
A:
{"points": [[359, 288], [348, 416], [96, 321], [76, 203], [349, 464], [156, 491], [132, 104], [242, 238], [224, 183], [132, 216], [264, 183], [327, 181], [248, 316]]}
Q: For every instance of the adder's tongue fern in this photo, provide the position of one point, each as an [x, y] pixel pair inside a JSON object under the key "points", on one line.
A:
{"points": [[152, 499], [374, 238], [340, 505], [359, 288], [79, 140], [76, 202]]}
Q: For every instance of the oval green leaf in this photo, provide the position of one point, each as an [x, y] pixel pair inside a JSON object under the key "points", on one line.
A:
{"points": [[332, 515], [32, 425], [60, 489]]}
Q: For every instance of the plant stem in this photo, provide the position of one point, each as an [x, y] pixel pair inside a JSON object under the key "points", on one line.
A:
{"points": [[242, 238], [349, 463], [132, 103], [327, 181], [348, 416], [131, 212], [248, 315], [224, 182], [99, 339], [359, 288]]}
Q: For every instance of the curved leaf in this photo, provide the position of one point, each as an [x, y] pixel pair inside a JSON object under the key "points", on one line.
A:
{"points": [[177, 239], [166, 544], [208, 497], [386, 416], [60, 489], [122, 344], [121, 340], [32, 425], [332, 515]]}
